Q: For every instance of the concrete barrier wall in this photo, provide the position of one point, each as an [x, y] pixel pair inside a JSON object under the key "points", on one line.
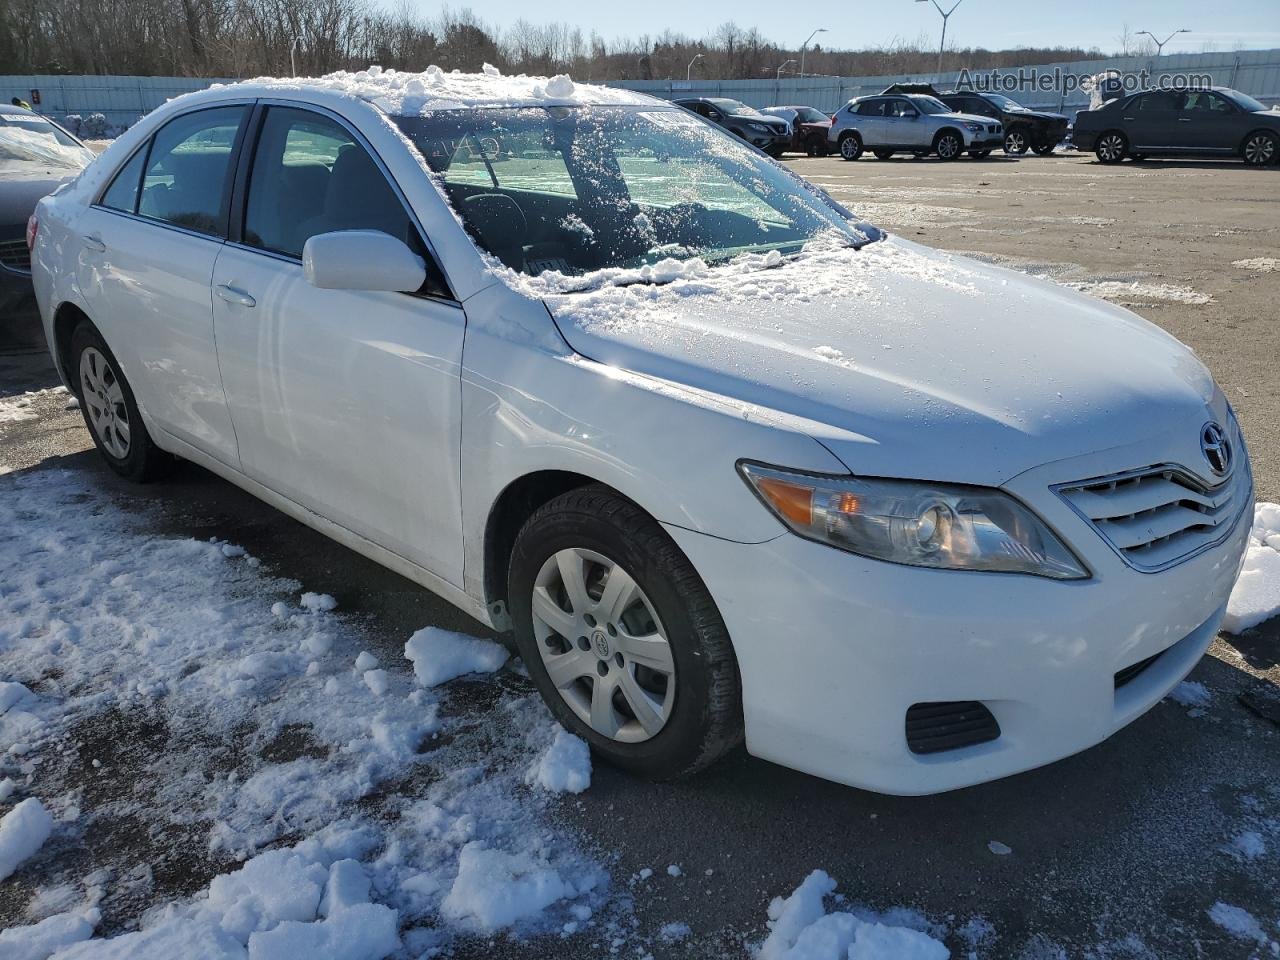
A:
{"points": [[1256, 72]]}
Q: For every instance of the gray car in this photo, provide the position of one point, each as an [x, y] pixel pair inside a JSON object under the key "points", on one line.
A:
{"points": [[36, 157], [768, 133], [911, 123], [1215, 122]]}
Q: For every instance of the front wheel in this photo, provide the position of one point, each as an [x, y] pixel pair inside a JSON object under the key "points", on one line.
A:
{"points": [[850, 146], [816, 147], [1043, 149], [1260, 149], [110, 410], [1111, 147], [948, 146], [979, 154], [621, 637], [883, 154], [1016, 142]]}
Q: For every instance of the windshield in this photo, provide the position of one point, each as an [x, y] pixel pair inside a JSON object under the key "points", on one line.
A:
{"points": [[810, 115], [35, 140], [733, 107], [1244, 101], [929, 104], [1004, 103], [578, 189]]}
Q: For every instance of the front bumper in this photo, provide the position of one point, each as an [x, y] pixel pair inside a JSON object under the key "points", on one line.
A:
{"points": [[833, 649], [986, 141]]}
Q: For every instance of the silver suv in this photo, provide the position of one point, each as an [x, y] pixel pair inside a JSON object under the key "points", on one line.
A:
{"points": [[911, 123]]}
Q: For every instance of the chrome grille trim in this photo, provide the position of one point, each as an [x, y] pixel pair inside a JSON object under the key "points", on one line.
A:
{"points": [[1159, 516]]}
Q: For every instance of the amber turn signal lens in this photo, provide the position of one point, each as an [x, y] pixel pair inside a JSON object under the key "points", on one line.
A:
{"points": [[793, 501]]}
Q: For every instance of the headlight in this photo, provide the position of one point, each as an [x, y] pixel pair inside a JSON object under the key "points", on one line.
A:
{"points": [[922, 524], [760, 128], [974, 127]]}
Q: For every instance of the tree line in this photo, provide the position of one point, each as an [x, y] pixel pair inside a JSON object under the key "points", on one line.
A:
{"points": [[247, 38]]}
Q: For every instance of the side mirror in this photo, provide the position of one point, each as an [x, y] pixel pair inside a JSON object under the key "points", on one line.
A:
{"points": [[361, 260]]}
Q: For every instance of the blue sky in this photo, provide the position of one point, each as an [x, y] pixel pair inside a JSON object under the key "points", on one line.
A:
{"points": [[989, 23]]}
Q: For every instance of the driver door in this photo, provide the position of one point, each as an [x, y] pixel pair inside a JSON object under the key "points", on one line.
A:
{"points": [[902, 125], [343, 401]]}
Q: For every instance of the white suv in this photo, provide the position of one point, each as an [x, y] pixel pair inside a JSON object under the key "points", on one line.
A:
{"points": [[728, 462], [914, 123]]}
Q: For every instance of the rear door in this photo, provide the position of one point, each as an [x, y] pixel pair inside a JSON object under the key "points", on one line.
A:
{"points": [[148, 248], [344, 401], [868, 120]]}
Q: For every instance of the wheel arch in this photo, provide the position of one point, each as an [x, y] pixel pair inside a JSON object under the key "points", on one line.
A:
{"points": [[945, 130], [66, 318]]}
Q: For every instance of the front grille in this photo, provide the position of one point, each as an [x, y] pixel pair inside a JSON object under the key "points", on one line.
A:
{"points": [[1131, 673], [993, 128], [15, 255], [934, 727], [1160, 515]]}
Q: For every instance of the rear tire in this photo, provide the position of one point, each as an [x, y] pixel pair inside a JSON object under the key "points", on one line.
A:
{"points": [[1112, 147], [110, 410], [693, 687], [1260, 148], [850, 146]]}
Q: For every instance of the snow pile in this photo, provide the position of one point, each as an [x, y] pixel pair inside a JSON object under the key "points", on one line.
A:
{"points": [[494, 889], [410, 94], [1256, 596], [1191, 693], [267, 730], [801, 929], [565, 767], [23, 831], [22, 406], [1238, 922], [1139, 292], [41, 940], [441, 655], [1259, 264]]}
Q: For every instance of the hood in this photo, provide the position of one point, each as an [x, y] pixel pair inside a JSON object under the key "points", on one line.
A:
{"points": [[972, 118], [1042, 115], [904, 361], [22, 185]]}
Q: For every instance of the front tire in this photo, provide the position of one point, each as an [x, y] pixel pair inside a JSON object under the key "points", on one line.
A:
{"points": [[850, 146], [883, 154], [1016, 142], [110, 410], [1043, 149], [622, 638], [948, 146], [1112, 147], [1260, 148], [979, 154]]}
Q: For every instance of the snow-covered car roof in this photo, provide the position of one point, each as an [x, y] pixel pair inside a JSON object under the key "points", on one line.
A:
{"points": [[412, 94]]}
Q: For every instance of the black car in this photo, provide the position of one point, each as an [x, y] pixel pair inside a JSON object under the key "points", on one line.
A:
{"points": [[768, 133], [1024, 129], [36, 156], [1214, 122]]}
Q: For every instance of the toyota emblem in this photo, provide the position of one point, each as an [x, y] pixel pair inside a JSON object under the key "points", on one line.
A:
{"points": [[1216, 448]]}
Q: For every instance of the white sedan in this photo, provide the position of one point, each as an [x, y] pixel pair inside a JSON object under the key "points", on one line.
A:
{"points": [[728, 462]]}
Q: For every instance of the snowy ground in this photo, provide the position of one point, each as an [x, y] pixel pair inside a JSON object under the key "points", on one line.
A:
{"points": [[204, 787]]}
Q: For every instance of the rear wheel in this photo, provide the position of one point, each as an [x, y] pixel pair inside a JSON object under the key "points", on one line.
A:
{"points": [[850, 146], [948, 145], [621, 637], [1112, 147], [1260, 148], [1016, 142], [110, 411], [883, 154]]}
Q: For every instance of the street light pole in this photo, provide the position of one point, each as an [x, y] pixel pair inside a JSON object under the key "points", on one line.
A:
{"points": [[806, 44], [1160, 43], [778, 75], [946, 15], [688, 74]]}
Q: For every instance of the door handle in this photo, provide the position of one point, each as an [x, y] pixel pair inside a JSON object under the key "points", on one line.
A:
{"points": [[1184, 119], [1129, 118], [95, 244], [232, 295]]}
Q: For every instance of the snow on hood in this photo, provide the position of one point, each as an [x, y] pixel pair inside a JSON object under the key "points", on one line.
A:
{"points": [[411, 94], [898, 357]]}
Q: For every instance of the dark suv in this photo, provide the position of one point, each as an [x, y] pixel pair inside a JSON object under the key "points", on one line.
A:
{"points": [[1024, 129], [1217, 122], [767, 133]]}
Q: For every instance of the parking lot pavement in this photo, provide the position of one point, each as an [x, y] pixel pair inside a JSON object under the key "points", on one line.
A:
{"points": [[1119, 852]]}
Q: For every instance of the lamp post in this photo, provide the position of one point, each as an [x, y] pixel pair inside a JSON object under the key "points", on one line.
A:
{"points": [[804, 45], [778, 74], [946, 15], [1160, 43], [688, 74]]}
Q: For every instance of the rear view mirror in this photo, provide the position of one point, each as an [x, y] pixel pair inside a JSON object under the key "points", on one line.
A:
{"points": [[362, 260]]}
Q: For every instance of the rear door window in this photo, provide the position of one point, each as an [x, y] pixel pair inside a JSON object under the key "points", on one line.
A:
{"points": [[188, 172]]}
